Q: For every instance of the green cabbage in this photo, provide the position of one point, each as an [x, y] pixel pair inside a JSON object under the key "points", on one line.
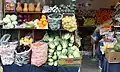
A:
{"points": [[66, 36], [51, 45], [70, 44], [50, 39], [6, 20], [50, 63], [50, 60], [64, 51], [55, 63], [64, 43], [63, 56], [51, 51], [54, 57], [59, 47], [56, 43], [76, 54], [72, 39], [13, 17], [58, 53]]}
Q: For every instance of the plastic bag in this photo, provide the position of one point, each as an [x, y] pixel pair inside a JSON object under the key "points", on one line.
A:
{"points": [[39, 53], [54, 21], [22, 58], [7, 50]]}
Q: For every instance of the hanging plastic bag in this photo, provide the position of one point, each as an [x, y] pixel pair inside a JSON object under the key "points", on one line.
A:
{"points": [[39, 53], [22, 56], [7, 50]]}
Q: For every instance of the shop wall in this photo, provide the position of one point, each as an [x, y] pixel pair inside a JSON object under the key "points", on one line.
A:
{"points": [[96, 4]]}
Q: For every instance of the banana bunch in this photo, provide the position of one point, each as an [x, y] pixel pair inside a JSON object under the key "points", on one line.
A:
{"points": [[26, 40], [89, 22]]}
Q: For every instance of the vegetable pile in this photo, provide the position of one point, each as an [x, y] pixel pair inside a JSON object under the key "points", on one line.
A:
{"points": [[10, 21], [30, 24], [26, 40], [61, 48], [69, 23], [42, 23]]}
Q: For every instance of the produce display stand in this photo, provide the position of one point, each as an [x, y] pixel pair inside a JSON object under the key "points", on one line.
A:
{"points": [[37, 34], [43, 68], [107, 62], [104, 64]]}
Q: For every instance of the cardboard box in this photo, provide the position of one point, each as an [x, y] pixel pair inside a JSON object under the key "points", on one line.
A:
{"points": [[112, 57], [70, 61]]}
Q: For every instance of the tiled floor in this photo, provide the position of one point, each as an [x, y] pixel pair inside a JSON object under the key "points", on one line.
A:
{"points": [[89, 66]]}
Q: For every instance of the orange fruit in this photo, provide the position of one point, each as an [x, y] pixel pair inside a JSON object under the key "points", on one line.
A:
{"points": [[43, 17]]}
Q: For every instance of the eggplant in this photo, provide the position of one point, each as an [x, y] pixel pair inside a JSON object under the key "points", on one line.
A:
{"points": [[20, 16], [25, 16], [20, 20], [22, 48], [27, 48]]}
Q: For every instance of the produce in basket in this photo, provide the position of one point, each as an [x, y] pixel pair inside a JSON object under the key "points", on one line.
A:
{"points": [[69, 23], [22, 55], [42, 23], [54, 21]]}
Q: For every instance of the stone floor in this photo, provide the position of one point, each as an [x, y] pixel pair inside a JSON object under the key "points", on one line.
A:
{"points": [[89, 65]]}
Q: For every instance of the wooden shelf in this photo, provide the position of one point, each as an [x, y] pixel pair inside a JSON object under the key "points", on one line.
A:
{"points": [[30, 12], [9, 12], [26, 12], [30, 29], [88, 26]]}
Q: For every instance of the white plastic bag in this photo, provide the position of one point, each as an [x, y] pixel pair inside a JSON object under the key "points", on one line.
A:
{"points": [[22, 58], [7, 50]]}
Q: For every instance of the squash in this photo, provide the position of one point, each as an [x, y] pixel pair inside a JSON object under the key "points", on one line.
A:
{"points": [[25, 9], [37, 9], [31, 7], [19, 7]]}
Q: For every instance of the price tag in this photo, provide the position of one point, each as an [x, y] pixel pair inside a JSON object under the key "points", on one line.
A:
{"points": [[69, 60], [62, 61]]}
